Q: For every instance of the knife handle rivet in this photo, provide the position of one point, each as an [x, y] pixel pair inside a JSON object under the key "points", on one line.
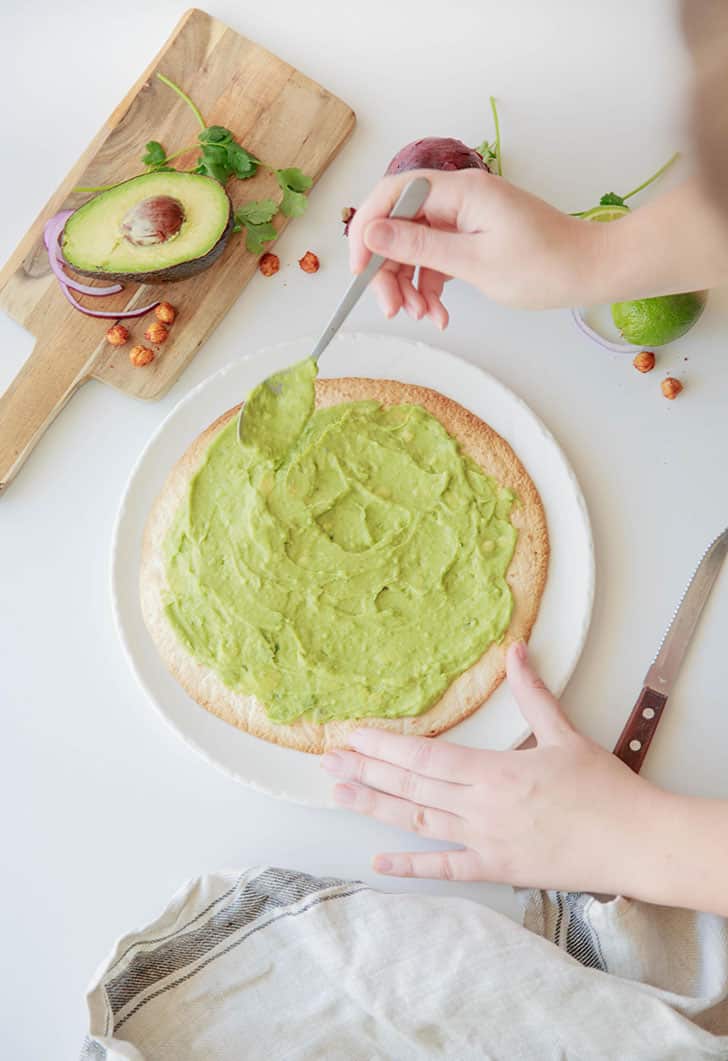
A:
{"points": [[635, 745], [648, 713]]}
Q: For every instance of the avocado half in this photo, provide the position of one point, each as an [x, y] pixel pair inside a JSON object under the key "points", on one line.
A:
{"points": [[157, 227]]}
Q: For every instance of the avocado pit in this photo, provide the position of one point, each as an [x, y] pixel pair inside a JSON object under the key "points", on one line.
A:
{"points": [[154, 220]]}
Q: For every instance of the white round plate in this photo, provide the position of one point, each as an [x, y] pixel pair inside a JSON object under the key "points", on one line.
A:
{"points": [[563, 620]]}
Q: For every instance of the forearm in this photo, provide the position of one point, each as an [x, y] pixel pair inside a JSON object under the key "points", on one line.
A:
{"points": [[682, 857], [676, 243]]}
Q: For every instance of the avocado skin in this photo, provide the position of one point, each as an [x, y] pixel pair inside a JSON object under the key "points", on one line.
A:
{"points": [[181, 271]]}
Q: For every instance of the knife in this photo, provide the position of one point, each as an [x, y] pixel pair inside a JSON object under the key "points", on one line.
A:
{"points": [[640, 728]]}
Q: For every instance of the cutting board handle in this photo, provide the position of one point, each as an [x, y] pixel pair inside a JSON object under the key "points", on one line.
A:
{"points": [[33, 400]]}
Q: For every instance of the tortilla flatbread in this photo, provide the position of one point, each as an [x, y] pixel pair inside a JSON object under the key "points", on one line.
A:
{"points": [[526, 577]]}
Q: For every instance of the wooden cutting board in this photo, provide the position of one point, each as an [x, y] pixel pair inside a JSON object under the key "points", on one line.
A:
{"points": [[277, 113]]}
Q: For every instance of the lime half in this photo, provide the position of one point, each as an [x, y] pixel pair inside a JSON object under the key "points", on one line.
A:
{"points": [[605, 213], [657, 321]]}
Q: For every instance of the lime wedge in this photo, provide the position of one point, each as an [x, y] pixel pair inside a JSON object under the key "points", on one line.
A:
{"points": [[605, 213]]}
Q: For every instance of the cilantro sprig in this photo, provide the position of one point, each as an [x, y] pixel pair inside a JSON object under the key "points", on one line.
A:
{"points": [[221, 157], [612, 199]]}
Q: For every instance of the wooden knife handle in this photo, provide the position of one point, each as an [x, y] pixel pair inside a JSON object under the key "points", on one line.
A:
{"points": [[640, 728]]}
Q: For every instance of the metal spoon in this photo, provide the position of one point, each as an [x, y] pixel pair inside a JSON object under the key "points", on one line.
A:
{"points": [[407, 207]]}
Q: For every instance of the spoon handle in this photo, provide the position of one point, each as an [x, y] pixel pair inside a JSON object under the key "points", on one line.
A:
{"points": [[407, 207]]}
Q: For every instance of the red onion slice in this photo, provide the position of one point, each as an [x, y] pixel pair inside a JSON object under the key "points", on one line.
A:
{"points": [[51, 232], [617, 348], [114, 315]]}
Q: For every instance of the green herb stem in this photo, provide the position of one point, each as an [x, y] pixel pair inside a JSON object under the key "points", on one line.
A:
{"points": [[640, 187], [183, 95], [182, 151], [498, 160], [83, 189], [654, 176]]}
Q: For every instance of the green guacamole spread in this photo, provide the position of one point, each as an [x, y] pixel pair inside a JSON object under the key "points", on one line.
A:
{"points": [[357, 573], [278, 409]]}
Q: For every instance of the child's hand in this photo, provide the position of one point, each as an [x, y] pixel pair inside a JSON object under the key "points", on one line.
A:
{"points": [[475, 226], [565, 814]]}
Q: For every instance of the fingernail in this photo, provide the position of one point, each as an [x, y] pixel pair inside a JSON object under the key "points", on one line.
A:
{"points": [[520, 650], [331, 761], [382, 864], [379, 235], [344, 794]]}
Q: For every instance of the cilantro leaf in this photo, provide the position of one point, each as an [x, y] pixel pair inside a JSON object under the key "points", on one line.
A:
{"points": [[256, 212], [213, 162], [256, 217], [240, 161], [294, 183], [155, 155], [293, 204], [611, 199], [216, 153], [293, 178], [212, 169], [215, 134], [257, 235]]}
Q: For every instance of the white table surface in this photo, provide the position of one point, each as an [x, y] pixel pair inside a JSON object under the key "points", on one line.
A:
{"points": [[105, 812]]}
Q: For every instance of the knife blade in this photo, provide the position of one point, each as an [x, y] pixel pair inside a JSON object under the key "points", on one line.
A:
{"points": [[640, 727]]}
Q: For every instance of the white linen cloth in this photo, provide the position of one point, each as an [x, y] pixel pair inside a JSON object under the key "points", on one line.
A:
{"points": [[273, 964]]}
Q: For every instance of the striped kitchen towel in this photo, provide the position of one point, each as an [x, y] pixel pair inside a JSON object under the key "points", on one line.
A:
{"points": [[274, 964]]}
